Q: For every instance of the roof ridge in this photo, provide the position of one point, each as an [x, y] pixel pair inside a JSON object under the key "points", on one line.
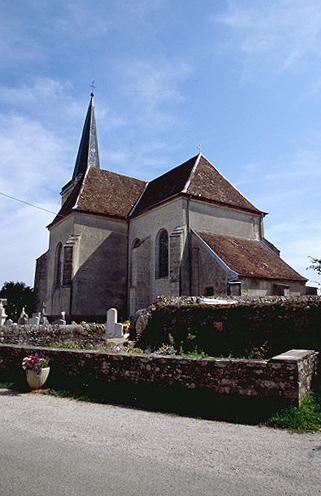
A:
{"points": [[188, 182], [138, 200]]}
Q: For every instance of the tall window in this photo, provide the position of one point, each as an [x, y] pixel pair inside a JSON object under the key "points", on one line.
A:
{"points": [[59, 264], [163, 254], [133, 263]]}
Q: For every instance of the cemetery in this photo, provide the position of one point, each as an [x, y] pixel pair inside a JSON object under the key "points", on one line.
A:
{"points": [[106, 356]]}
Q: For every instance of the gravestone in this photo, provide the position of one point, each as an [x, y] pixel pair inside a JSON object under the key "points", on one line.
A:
{"points": [[3, 316], [35, 319], [59, 322], [24, 318], [43, 316], [113, 329]]}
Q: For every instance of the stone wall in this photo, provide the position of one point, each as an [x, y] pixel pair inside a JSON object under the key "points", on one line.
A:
{"points": [[143, 235], [285, 377], [84, 336]]}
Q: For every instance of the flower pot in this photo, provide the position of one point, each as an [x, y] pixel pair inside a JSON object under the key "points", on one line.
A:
{"points": [[37, 379]]}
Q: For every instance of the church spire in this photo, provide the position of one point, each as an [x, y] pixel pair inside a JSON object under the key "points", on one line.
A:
{"points": [[88, 149]]}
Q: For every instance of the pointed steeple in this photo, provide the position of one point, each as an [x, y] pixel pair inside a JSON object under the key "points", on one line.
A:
{"points": [[87, 157], [88, 149]]}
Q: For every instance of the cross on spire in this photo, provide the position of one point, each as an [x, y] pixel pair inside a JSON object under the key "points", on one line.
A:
{"points": [[199, 149], [92, 87]]}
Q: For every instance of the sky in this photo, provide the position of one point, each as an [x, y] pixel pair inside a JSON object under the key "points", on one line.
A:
{"points": [[240, 78]]}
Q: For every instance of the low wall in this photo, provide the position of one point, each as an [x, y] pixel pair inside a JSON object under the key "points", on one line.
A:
{"points": [[287, 376], [82, 336]]}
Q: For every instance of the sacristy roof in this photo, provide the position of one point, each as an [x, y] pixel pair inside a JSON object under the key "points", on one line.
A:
{"points": [[250, 257]]}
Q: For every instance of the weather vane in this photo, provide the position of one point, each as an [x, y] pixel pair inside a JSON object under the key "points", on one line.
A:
{"points": [[92, 87], [199, 149]]}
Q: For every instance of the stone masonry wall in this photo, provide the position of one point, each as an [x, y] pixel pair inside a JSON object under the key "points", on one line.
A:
{"points": [[82, 336], [285, 378]]}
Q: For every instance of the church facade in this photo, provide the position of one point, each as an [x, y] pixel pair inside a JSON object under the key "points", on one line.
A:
{"points": [[120, 242]]}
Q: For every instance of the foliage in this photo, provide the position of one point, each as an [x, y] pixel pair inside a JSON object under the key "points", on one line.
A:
{"points": [[315, 265], [35, 362], [18, 295], [126, 326], [253, 329], [306, 418], [166, 349]]}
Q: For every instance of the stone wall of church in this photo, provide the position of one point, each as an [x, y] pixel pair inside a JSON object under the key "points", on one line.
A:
{"points": [[40, 283], [94, 273], [208, 276], [223, 220], [259, 287], [145, 284], [58, 298], [100, 269]]}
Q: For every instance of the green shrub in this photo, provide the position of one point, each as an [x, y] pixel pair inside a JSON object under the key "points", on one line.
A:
{"points": [[306, 418]]}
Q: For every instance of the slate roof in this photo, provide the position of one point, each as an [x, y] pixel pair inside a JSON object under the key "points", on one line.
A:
{"points": [[88, 149], [250, 257], [196, 177]]}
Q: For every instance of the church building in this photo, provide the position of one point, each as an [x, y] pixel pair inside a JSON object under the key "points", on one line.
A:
{"points": [[119, 242]]}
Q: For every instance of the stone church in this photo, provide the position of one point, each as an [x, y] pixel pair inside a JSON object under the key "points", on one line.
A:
{"points": [[120, 242]]}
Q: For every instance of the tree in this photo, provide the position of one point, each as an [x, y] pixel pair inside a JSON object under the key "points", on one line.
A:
{"points": [[18, 295], [315, 265]]}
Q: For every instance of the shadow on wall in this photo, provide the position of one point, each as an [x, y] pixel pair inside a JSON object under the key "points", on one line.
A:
{"points": [[99, 283]]}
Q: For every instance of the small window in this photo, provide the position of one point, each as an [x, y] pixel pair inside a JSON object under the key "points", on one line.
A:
{"points": [[59, 264], [209, 291], [234, 289], [281, 290], [162, 254]]}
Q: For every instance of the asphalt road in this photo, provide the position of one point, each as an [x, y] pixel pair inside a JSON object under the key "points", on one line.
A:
{"points": [[60, 447]]}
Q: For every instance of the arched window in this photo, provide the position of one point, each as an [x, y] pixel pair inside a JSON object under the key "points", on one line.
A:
{"points": [[59, 264], [162, 258]]}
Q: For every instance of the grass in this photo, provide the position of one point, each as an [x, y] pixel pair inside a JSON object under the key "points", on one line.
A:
{"points": [[306, 418]]}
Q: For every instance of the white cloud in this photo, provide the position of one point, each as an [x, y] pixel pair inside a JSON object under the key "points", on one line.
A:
{"points": [[155, 83], [274, 36], [24, 239], [298, 240], [15, 44], [38, 91], [32, 157]]}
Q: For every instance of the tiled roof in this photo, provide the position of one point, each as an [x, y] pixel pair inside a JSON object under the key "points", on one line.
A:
{"points": [[103, 192], [250, 257], [196, 177], [108, 193], [169, 184], [206, 182]]}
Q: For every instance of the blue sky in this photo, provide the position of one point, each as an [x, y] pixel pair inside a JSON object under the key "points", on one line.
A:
{"points": [[240, 77]]}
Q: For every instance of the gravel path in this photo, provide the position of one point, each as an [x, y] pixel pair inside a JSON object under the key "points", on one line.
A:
{"points": [[64, 447]]}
